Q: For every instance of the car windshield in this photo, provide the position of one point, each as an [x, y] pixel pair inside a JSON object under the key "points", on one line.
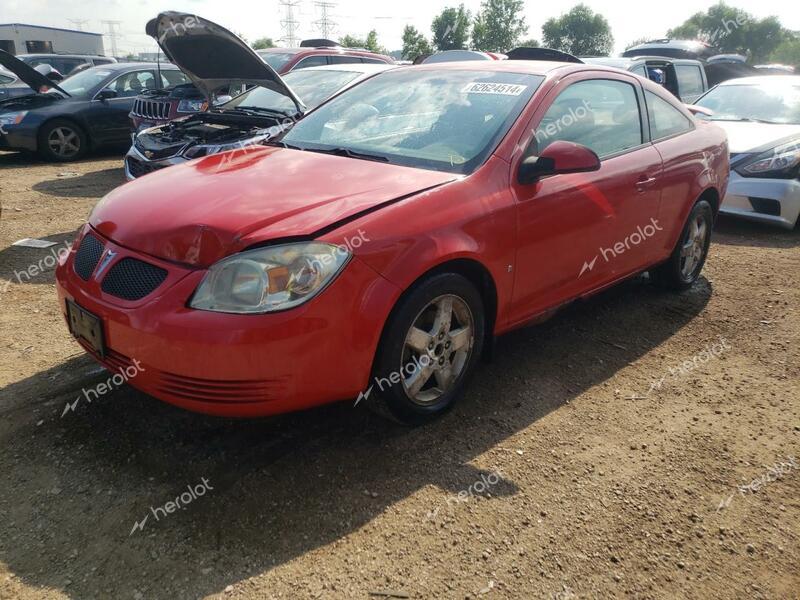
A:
{"points": [[80, 84], [447, 120], [276, 60], [311, 86], [772, 103]]}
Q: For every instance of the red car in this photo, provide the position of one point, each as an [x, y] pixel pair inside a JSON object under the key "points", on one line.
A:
{"points": [[378, 247]]}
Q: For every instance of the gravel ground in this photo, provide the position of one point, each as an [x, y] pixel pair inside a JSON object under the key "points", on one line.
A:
{"points": [[638, 445]]}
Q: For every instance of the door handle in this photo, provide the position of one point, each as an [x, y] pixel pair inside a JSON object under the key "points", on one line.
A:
{"points": [[643, 184]]}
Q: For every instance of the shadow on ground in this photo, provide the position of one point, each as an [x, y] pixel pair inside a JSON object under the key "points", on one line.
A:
{"points": [[732, 231], [73, 487], [20, 265], [17, 160], [94, 184]]}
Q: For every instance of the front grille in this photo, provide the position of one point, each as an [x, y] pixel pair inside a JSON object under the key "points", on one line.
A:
{"points": [[131, 279], [87, 256], [150, 109], [137, 168]]}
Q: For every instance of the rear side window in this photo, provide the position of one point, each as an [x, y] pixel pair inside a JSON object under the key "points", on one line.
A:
{"points": [[690, 80], [639, 70], [172, 78], [312, 61], [601, 114], [373, 61], [4, 79], [665, 119], [341, 60]]}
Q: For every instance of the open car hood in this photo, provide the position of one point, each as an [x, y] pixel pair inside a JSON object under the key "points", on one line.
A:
{"points": [[213, 57], [27, 74]]}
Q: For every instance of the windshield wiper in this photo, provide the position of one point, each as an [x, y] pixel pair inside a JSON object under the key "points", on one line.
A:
{"points": [[349, 153], [284, 145], [261, 109]]}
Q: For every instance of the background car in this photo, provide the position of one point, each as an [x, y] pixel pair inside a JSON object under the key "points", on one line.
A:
{"points": [[685, 78], [250, 118], [762, 118], [158, 107], [85, 111], [694, 49], [379, 246], [65, 63]]}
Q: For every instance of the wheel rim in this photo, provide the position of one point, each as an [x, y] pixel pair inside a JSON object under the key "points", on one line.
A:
{"points": [[694, 246], [64, 142], [437, 349]]}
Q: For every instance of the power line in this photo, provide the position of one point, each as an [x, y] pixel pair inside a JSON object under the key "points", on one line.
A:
{"points": [[79, 23], [289, 23], [113, 34], [325, 24]]}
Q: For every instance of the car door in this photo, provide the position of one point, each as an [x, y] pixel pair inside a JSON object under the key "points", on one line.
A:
{"points": [[109, 118], [578, 232]]}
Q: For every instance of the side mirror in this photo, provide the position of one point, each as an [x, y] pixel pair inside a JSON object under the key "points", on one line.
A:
{"points": [[222, 99], [106, 94], [699, 111], [558, 158]]}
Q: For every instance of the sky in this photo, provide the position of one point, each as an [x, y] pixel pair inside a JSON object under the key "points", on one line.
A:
{"points": [[255, 19]]}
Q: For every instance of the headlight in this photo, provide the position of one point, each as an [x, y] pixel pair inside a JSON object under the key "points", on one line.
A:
{"points": [[190, 106], [270, 279], [14, 118], [209, 149], [781, 162]]}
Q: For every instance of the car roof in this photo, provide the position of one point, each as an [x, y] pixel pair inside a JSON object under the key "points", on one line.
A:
{"points": [[54, 55], [320, 50], [125, 66], [764, 80], [366, 68], [531, 67]]}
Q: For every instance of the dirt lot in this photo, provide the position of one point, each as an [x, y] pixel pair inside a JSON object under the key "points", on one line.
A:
{"points": [[590, 460]]}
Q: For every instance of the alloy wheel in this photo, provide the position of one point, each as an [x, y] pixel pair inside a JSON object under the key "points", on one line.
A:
{"points": [[694, 246], [437, 348], [64, 142]]}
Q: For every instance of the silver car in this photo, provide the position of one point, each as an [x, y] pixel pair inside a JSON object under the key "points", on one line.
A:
{"points": [[762, 118]]}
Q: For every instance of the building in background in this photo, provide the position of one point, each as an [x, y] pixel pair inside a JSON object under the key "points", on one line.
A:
{"points": [[18, 38]]}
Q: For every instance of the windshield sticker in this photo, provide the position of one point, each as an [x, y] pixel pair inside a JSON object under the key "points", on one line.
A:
{"points": [[503, 89]]}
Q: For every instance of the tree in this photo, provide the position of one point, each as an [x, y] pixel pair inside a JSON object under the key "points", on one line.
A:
{"points": [[498, 26], [637, 42], [788, 53], [414, 43], [580, 32], [529, 43], [263, 43], [370, 43], [451, 29], [733, 30]]}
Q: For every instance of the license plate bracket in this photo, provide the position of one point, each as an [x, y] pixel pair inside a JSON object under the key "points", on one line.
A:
{"points": [[86, 326]]}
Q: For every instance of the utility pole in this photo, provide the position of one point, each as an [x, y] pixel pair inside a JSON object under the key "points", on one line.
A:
{"points": [[325, 24], [289, 23], [79, 23], [113, 34]]}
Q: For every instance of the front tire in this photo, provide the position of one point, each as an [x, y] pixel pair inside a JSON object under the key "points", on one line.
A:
{"points": [[61, 140], [683, 267], [431, 345]]}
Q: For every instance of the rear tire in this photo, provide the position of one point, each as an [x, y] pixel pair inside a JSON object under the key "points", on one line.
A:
{"points": [[689, 255], [61, 140], [430, 346]]}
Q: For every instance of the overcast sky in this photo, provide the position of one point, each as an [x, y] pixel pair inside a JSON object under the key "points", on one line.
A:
{"points": [[254, 19]]}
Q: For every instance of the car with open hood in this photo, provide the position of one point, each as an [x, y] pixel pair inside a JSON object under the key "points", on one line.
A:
{"points": [[158, 107], [375, 250], [63, 121], [762, 118], [251, 118]]}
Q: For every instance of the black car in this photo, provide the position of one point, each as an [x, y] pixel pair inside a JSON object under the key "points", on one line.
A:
{"points": [[63, 121], [693, 49]]}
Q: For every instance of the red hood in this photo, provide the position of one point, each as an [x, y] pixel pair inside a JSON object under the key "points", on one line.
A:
{"points": [[202, 211]]}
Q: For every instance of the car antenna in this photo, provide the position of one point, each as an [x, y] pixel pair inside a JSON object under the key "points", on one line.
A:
{"points": [[158, 66]]}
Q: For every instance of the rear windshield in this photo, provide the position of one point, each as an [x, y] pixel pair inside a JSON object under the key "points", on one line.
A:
{"points": [[312, 87], [773, 103], [447, 120], [276, 60]]}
